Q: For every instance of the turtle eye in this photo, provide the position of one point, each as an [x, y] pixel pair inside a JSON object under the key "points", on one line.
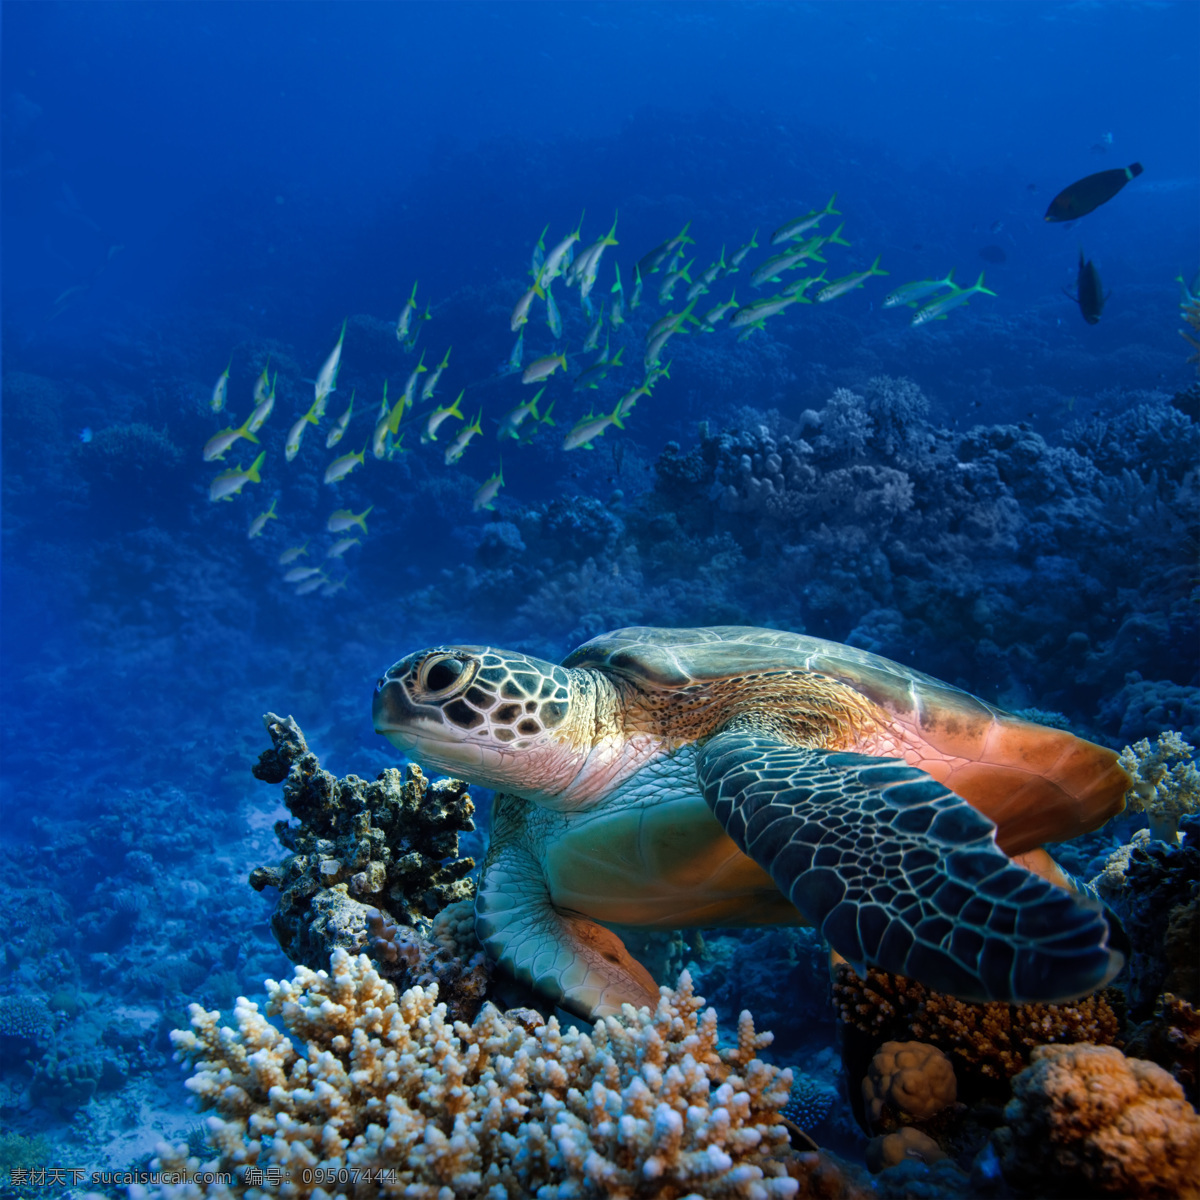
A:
{"points": [[443, 674]]}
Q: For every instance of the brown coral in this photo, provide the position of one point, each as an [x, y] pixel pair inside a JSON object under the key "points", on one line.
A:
{"points": [[903, 1145], [992, 1040], [908, 1081], [1087, 1121]]}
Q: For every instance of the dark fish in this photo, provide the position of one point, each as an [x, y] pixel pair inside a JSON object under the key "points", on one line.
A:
{"points": [[993, 254], [1089, 294], [1090, 192]]}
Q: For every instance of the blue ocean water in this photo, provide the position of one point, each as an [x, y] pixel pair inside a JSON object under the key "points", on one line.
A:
{"points": [[1006, 499]]}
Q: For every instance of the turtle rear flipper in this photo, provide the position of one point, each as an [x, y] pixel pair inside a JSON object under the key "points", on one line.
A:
{"points": [[898, 872], [565, 957]]}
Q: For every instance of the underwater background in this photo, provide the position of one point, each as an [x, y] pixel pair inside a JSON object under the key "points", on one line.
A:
{"points": [[200, 202]]}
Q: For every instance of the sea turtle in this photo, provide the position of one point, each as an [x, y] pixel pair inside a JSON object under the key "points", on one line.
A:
{"points": [[738, 776]]}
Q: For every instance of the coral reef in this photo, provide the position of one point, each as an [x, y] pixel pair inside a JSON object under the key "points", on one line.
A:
{"points": [[1171, 1038], [1165, 790], [66, 1078], [368, 860], [1153, 896], [1086, 1121], [891, 1149], [809, 1102], [25, 1024], [988, 1043], [644, 1105], [393, 842], [824, 1176], [907, 1081]]}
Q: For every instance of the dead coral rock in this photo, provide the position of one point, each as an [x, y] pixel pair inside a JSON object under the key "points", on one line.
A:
{"points": [[1171, 1038], [371, 864], [907, 1081], [391, 844], [1087, 1121], [289, 747], [1181, 949]]}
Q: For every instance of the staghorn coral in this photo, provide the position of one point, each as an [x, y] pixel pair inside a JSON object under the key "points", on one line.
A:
{"points": [[644, 1105], [987, 1041], [1165, 790], [392, 843], [1087, 1121], [907, 1081]]}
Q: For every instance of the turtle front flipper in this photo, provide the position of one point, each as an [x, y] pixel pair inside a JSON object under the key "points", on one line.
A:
{"points": [[570, 960], [898, 872]]}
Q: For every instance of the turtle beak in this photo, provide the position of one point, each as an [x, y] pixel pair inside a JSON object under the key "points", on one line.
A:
{"points": [[391, 710]]}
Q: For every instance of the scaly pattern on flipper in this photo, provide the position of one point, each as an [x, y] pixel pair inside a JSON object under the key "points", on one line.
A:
{"points": [[570, 960], [899, 872]]}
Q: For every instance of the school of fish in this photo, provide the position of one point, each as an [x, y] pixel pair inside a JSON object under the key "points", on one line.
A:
{"points": [[669, 273]]}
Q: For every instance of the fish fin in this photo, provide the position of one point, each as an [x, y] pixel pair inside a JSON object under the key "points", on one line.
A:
{"points": [[252, 475]]}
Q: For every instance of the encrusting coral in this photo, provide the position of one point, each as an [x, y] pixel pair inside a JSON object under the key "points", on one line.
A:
{"points": [[1087, 1121], [646, 1105], [371, 865]]}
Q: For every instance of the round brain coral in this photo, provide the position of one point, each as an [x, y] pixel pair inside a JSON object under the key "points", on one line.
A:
{"points": [[908, 1080], [1085, 1120]]}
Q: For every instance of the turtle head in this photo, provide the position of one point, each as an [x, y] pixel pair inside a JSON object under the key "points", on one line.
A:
{"points": [[493, 717]]}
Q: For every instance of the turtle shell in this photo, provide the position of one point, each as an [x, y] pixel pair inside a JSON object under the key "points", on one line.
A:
{"points": [[1036, 783]]}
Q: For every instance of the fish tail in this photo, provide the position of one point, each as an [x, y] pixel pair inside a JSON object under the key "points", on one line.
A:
{"points": [[547, 420], [836, 238], [245, 431], [830, 211], [875, 268], [252, 475]]}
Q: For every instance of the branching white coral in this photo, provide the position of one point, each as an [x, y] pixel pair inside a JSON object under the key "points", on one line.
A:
{"points": [[1166, 790], [646, 1105]]}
